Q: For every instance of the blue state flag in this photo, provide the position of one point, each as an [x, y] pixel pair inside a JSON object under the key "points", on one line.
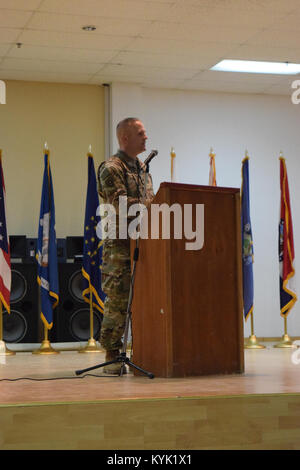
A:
{"points": [[47, 250], [247, 241], [92, 245]]}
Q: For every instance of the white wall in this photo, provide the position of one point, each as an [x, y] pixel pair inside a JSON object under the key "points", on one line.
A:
{"points": [[193, 122]]}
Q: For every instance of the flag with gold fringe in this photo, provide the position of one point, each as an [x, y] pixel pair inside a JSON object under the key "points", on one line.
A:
{"points": [[92, 246], [288, 296], [212, 169], [5, 267], [247, 241], [47, 249]]}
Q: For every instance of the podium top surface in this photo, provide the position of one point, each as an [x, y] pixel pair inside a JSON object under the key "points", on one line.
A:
{"points": [[195, 187]]}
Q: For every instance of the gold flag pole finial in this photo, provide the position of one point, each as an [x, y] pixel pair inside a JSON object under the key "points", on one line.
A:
{"points": [[212, 168], [173, 155]]}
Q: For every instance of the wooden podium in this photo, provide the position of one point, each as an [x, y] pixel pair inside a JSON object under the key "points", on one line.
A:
{"points": [[187, 315]]}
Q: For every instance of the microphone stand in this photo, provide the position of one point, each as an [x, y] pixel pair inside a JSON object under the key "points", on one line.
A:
{"points": [[122, 357]]}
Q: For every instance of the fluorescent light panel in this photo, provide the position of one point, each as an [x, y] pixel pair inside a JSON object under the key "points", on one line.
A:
{"points": [[252, 66]]}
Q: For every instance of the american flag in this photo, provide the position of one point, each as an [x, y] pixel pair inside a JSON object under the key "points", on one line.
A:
{"points": [[5, 269]]}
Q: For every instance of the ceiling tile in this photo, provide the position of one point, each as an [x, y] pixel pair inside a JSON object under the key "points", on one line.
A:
{"points": [[177, 46], [136, 71], [170, 59], [129, 9], [243, 78], [198, 33], [224, 17], [13, 18], [78, 41], [9, 35], [4, 48], [29, 75], [48, 65], [274, 38], [285, 6], [100, 78], [74, 23], [24, 5], [288, 23], [268, 53], [61, 53], [217, 86]]}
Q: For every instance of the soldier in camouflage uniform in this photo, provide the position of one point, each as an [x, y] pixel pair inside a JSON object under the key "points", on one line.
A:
{"points": [[122, 175]]}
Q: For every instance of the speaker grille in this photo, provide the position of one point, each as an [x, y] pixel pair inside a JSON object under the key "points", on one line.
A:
{"points": [[14, 326], [79, 325], [18, 286], [76, 285]]}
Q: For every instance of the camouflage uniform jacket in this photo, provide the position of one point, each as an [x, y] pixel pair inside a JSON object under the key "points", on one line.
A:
{"points": [[119, 176], [123, 176]]}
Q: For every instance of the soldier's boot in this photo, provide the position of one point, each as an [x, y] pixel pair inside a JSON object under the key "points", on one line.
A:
{"points": [[115, 368]]}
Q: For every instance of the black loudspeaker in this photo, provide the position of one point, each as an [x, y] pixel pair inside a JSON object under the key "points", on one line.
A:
{"points": [[31, 249], [17, 246], [31, 244], [74, 247], [61, 250], [22, 324], [72, 317]]}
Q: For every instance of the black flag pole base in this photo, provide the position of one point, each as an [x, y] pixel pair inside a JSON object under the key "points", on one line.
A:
{"points": [[121, 358]]}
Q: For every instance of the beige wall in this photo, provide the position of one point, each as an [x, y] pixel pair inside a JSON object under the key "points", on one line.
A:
{"points": [[69, 118]]}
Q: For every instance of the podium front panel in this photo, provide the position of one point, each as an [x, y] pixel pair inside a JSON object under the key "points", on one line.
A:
{"points": [[187, 307]]}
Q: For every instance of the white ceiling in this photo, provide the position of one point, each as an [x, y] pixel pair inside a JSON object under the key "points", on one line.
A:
{"points": [[157, 43]]}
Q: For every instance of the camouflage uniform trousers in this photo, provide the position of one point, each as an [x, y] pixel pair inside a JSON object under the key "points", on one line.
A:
{"points": [[116, 275]]}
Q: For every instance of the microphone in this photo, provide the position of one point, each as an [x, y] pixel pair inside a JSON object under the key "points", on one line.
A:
{"points": [[150, 156]]}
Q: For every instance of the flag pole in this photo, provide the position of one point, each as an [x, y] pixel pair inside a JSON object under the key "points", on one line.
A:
{"points": [[4, 351], [92, 343], [286, 341], [45, 347], [252, 342]]}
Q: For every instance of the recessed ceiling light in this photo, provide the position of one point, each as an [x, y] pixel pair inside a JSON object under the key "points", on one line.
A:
{"points": [[89, 28], [252, 66]]}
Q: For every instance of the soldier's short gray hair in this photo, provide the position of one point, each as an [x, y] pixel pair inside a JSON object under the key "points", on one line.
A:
{"points": [[124, 124]]}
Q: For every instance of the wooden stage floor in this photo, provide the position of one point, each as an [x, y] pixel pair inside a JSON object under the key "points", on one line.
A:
{"points": [[259, 409]]}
